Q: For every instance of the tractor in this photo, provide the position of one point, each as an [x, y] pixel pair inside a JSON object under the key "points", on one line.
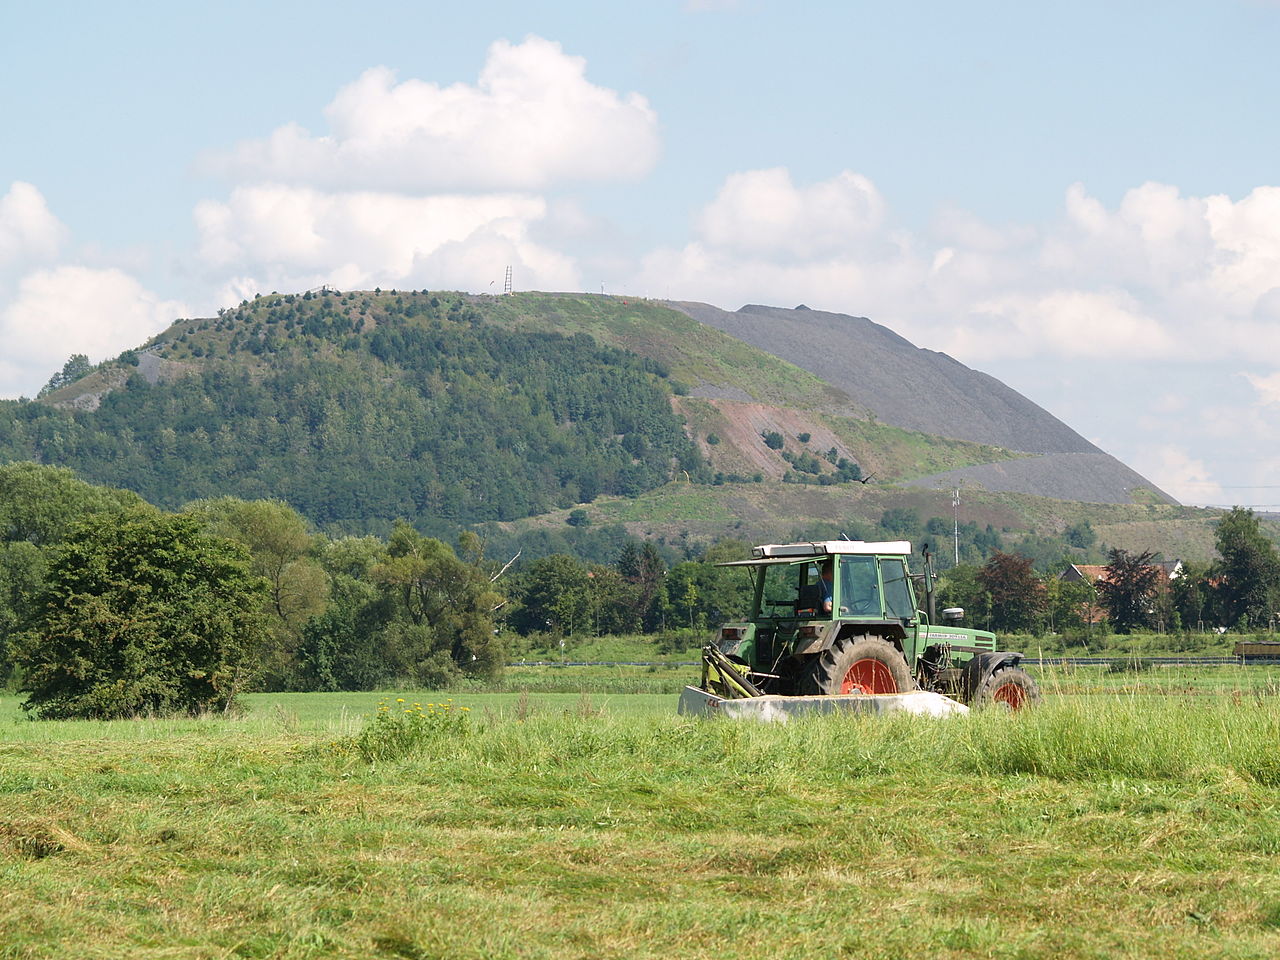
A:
{"points": [[843, 617]]}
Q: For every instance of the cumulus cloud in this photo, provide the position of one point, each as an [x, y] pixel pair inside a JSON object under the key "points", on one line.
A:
{"points": [[761, 213], [70, 309], [282, 237], [1143, 278], [531, 119], [1268, 388], [1182, 476], [29, 232]]}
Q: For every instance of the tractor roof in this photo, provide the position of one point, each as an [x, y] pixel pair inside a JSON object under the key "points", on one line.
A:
{"points": [[828, 547]]}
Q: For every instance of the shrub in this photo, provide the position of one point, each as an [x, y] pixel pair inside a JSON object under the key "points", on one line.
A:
{"points": [[142, 614], [399, 730]]}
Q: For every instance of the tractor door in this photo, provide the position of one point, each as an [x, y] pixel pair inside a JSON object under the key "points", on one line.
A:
{"points": [[900, 601], [858, 593]]}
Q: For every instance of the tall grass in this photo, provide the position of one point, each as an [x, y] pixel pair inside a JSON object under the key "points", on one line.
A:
{"points": [[579, 827]]}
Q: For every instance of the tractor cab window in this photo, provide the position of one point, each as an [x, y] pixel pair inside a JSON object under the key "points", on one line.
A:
{"points": [[859, 587], [899, 602], [792, 590]]}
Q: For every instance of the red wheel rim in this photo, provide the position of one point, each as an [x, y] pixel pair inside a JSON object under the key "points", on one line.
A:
{"points": [[1010, 694], [868, 676]]}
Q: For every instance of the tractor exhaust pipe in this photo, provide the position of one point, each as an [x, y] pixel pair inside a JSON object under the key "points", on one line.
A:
{"points": [[928, 583]]}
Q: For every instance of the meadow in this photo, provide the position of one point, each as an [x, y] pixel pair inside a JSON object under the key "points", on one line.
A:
{"points": [[1133, 815]]}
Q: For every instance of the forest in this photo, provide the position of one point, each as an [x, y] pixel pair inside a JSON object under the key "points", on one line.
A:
{"points": [[360, 412]]}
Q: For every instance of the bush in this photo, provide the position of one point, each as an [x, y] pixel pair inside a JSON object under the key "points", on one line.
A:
{"points": [[398, 730], [773, 439], [145, 614]]}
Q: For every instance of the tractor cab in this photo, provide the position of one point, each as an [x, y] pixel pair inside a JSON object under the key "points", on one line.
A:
{"points": [[862, 582]]}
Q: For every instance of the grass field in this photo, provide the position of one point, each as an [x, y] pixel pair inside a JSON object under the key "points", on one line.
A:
{"points": [[1131, 816]]}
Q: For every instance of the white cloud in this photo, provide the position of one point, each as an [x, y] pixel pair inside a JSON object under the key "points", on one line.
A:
{"points": [[29, 232], [761, 213], [1178, 474], [532, 119], [1268, 388], [70, 309], [1067, 323], [1160, 276], [293, 238]]}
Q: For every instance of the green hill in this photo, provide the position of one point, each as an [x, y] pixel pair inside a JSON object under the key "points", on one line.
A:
{"points": [[447, 409], [360, 409]]}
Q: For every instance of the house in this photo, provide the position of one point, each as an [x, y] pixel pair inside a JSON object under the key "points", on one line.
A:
{"points": [[1170, 570], [1091, 573]]}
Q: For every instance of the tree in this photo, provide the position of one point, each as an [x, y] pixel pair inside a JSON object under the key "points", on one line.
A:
{"points": [[557, 596], [1080, 535], [903, 522], [1190, 594], [142, 614], [76, 367], [1067, 602], [1017, 596], [443, 608], [960, 587], [40, 504], [1247, 576], [1128, 590], [282, 545]]}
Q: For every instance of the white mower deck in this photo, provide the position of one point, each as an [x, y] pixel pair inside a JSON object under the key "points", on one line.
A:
{"points": [[777, 709]]}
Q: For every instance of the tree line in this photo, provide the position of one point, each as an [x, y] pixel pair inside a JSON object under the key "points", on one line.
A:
{"points": [[110, 606], [1238, 591]]}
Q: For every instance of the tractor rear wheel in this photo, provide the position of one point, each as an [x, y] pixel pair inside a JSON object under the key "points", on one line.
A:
{"points": [[1010, 688], [858, 664]]}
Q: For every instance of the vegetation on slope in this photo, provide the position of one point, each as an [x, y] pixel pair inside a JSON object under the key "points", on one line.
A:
{"points": [[359, 409]]}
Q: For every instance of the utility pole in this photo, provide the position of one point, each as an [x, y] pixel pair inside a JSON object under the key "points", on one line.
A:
{"points": [[955, 520]]}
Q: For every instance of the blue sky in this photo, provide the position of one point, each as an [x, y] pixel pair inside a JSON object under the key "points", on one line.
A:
{"points": [[1083, 200]]}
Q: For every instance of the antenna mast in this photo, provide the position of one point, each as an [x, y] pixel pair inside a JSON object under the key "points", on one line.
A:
{"points": [[506, 284]]}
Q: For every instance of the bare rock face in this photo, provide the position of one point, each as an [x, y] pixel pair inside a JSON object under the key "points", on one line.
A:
{"points": [[916, 389]]}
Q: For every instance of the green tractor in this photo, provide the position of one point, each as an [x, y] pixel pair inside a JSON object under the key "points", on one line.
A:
{"points": [[845, 617]]}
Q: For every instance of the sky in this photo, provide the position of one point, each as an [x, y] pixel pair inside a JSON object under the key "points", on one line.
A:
{"points": [[1082, 200]]}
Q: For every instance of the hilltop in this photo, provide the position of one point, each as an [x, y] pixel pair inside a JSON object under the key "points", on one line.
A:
{"points": [[451, 410]]}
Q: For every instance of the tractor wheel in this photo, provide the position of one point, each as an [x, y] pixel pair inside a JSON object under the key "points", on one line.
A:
{"points": [[1010, 688], [861, 664]]}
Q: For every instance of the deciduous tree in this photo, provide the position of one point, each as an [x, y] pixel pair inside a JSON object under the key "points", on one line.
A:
{"points": [[1128, 590], [1017, 596], [143, 614], [1247, 577]]}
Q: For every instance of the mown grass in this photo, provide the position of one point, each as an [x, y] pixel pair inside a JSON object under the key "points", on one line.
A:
{"points": [[1098, 826]]}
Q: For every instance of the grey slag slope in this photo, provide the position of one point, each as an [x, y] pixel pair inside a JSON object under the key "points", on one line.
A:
{"points": [[1084, 477], [902, 384]]}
